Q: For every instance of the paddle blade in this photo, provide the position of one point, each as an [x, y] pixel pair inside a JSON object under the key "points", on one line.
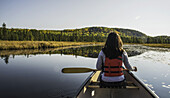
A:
{"points": [[77, 70]]}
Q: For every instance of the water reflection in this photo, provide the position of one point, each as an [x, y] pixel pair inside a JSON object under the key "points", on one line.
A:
{"points": [[40, 76], [6, 58], [83, 51], [153, 70], [91, 51]]}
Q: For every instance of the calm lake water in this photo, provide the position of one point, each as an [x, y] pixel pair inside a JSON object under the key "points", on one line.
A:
{"points": [[37, 74]]}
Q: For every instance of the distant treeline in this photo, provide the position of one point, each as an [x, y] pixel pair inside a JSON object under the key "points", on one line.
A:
{"points": [[89, 34]]}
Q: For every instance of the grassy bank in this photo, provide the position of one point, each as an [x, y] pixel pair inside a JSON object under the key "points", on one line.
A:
{"points": [[151, 45], [158, 45], [15, 45]]}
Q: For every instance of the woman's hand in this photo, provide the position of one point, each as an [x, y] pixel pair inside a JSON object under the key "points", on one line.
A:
{"points": [[134, 68]]}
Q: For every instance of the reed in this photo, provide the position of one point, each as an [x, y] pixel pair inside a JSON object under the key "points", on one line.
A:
{"points": [[158, 45], [15, 45]]}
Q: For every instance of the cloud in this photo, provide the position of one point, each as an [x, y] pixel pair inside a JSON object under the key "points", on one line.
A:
{"points": [[137, 17]]}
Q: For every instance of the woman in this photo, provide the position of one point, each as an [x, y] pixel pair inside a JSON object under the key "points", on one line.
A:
{"points": [[110, 59]]}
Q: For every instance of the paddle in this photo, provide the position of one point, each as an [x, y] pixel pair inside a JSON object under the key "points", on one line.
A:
{"points": [[79, 70]]}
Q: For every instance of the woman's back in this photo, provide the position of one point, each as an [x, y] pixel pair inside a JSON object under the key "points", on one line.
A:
{"points": [[106, 62], [101, 62]]}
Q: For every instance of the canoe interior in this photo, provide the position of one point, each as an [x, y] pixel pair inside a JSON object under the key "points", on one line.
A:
{"points": [[134, 88]]}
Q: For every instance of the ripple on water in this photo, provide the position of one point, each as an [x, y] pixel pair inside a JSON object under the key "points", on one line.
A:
{"points": [[144, 80], [56, 93], [155, 56], [166, 75], [166, 86], [149, 85]]}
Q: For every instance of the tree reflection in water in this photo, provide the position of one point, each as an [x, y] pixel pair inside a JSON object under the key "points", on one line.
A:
{"points": [[91, 51], [6, 58]]}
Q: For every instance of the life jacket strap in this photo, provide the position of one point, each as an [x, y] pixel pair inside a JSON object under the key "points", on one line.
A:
{"points": [[113, 71], [113, 66], [119, 58]]}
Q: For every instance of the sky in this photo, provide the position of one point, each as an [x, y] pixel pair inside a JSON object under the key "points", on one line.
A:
{"points": [[151, 17]]}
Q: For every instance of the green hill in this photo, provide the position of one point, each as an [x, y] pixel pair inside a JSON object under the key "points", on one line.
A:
{"points": [[130, 32], [87, 34], [123, 32]]}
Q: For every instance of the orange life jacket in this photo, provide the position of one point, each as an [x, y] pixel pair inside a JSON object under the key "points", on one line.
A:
{"points": [[113, 67]]}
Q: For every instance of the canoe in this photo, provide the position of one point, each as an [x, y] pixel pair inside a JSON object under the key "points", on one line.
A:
{"points": [[134, 88]]}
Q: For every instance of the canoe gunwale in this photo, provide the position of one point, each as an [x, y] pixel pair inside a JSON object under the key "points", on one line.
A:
{"points": [[128, 72], [84, 83], [144, 86]]}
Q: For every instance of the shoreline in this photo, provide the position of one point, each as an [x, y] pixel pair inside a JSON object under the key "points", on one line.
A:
{"points": [[131, 49], [38, 51], [158, 45], [22, 45]]}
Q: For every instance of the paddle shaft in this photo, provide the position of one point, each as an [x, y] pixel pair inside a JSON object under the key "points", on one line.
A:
{"points": [[79, 70]]}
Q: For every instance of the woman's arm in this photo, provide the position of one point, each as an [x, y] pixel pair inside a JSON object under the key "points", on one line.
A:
{"points": [[99, 61], [126, 62]]}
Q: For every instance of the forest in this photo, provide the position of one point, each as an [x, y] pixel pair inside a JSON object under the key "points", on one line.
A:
{"points": [[87, 34]]}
